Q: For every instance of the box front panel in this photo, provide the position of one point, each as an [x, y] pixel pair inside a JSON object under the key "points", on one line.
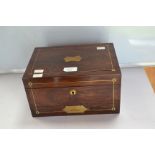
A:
{"points": [[104, 98]]}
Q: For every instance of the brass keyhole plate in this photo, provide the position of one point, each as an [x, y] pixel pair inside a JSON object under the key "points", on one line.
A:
{"points": [[72, 92]]}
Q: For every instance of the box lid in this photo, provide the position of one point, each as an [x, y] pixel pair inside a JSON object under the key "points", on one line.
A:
{"points": [[70, 62]]}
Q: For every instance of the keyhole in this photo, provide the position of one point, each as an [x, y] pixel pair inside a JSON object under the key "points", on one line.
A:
{"points": [[73, 92]]}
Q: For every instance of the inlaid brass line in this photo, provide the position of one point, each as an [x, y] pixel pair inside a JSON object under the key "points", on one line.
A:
{"points": [[80, 81], [113, 93], [109, 109], [113, 98], [113, 69], [37, 112]]}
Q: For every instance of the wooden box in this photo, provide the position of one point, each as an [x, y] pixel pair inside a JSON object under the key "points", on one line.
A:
{"points": [[71, 80]]}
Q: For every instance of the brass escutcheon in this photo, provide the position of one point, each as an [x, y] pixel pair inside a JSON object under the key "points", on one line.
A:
{"points": [[72, 92]]}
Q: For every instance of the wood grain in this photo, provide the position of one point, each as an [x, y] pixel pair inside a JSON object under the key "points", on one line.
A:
{"points": [[97, 82], [150, 71]]}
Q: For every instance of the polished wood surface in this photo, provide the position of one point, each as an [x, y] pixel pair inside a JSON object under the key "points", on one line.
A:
{"points": [[95, 98], [97, 82], [93, 61], [150, 71]]}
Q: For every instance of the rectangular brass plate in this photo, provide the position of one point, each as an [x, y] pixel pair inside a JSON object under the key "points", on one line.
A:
{"points": [[75, 109]]}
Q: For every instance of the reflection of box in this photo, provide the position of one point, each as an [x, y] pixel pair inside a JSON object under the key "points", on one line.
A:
{"points": [[70, 80]]}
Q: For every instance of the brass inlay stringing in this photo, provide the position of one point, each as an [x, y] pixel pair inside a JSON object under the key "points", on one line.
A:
{"points": [[80, 108], [36, 109], [113, 69], [31, 90], [80, 82], [113, 97], [74, 58], [72, 92], [113, 94], [75, 109]]}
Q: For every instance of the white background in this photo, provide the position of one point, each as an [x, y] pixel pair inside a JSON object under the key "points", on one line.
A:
{"points": [[119, 12]]}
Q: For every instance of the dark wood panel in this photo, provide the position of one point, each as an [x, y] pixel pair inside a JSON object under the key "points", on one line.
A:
{"points": [[71, 82], [97, 82], [93, 62], [96, 98]]}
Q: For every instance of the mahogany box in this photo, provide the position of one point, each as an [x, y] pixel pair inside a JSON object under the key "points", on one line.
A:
{"points": [[73, 80]]}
